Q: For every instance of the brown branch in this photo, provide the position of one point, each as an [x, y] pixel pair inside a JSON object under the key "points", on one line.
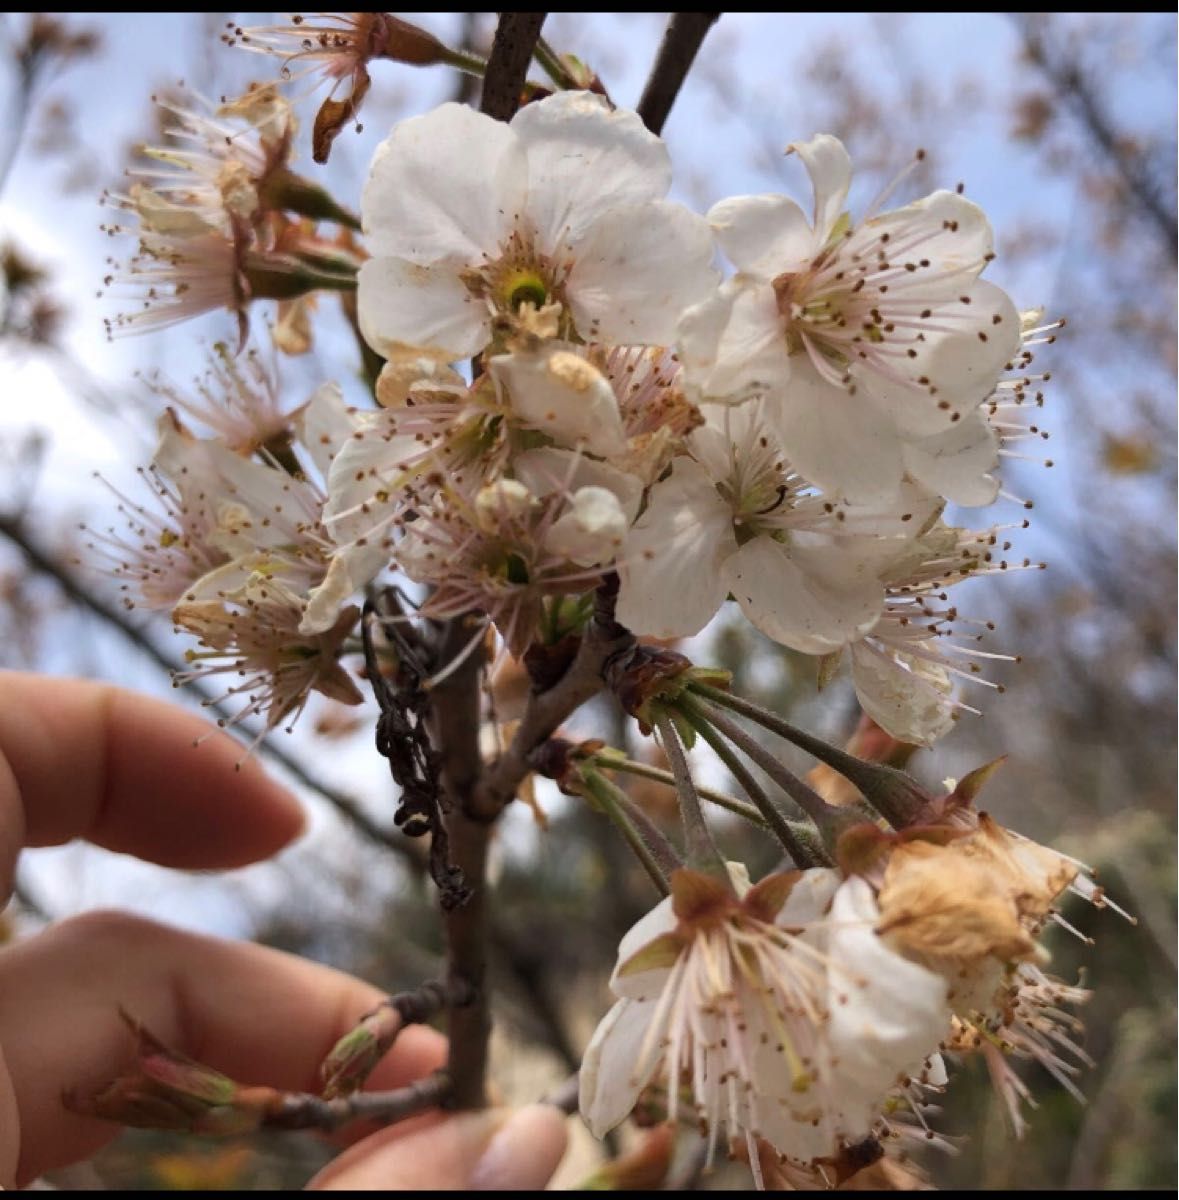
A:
{"points": [[1079, 93], [685, 32], [455, 708], [547, 710], [298, 1110], [455, 732], [507, 64], [13, 529]]}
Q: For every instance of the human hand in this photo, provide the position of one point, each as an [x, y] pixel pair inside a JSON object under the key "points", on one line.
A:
{"points": [[83, 759]]}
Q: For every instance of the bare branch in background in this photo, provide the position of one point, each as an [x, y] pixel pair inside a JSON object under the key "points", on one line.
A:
{"points": [[677, 52]]}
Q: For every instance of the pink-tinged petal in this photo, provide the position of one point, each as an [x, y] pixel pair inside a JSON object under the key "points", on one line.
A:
{"points": [[733, 346], [585, 159], [637, 269], [957, 464], [763, 236], [793, 598], [907, 697], [670, 566], [829, 166], [608, 1084], [839, 440], [403, 304], [887, 1014], [409, 211]]}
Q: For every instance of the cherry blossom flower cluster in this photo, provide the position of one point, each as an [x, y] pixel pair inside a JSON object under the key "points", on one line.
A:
{"points": [[787, 438], [578, 387], [819, 1009]]}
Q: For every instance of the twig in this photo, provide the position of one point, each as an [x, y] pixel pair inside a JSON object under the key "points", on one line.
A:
{"points": [[547, 710], [298, 1110], [677, 52], [507, 64]]}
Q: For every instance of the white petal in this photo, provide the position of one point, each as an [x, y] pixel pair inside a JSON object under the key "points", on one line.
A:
{"points": [[565, 396], [840, 441], [733, 346], [829, 166], [583, 160], [952, 373], [591, 532], [446, 185], [951, 232], [763, 236], [347, 573], [550, 469], [670, 567], [957, 464], [789, 595], [887, 1014], [637, 269], [810, 898], [608, 1089], [324, 424], [659, 921], [401, 304], [906, 697]]}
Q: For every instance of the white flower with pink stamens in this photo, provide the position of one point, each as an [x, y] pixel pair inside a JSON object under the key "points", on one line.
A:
{"points": [[779, 1008], [737, 518], [870, 339]]}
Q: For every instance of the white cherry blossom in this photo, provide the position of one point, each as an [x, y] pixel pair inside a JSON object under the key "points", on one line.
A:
{"points": [[468, 218], [789, 1018], [869, 338], [737, 518]]}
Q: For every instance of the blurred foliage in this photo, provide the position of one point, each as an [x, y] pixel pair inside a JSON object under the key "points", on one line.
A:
{"points": [[1089, 718]]}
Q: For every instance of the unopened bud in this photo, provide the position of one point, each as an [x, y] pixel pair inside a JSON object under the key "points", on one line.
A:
{"points": [[353, 1058], [167, 1090]]}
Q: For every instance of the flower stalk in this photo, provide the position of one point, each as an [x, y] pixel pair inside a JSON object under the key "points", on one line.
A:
{"points": [[831, 821], [785, 830], [702, 852], [649, 846], [892, 793]]}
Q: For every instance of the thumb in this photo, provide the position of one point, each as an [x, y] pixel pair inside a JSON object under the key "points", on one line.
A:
{"points": [[493, 1150]]}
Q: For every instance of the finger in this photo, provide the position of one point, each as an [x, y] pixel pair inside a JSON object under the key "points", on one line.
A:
{"points": [[84, 759], [494, 1150], [259, 1016]]}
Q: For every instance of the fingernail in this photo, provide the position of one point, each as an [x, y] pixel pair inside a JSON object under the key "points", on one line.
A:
{"points": [[524, 1153]]}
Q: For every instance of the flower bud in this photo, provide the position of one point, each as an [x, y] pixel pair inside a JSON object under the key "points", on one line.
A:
{"points": [[167, 1090], [352, 1059]]}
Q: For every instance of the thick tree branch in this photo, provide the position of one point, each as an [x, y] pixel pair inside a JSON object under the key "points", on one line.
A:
{"points": [[507, 64], [685, 32]]}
